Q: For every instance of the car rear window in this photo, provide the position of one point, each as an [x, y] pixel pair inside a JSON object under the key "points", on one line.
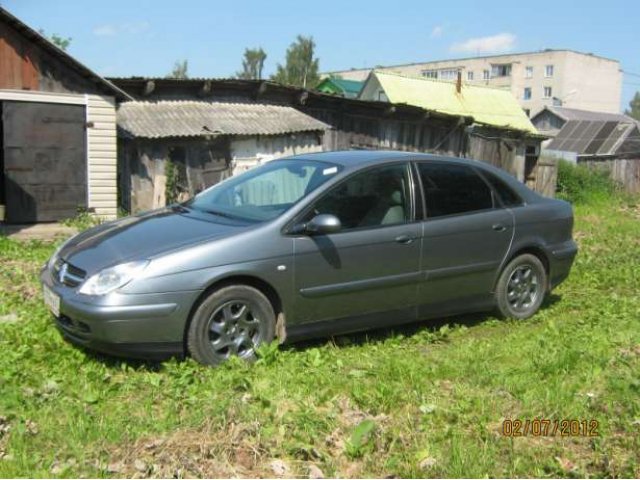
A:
{"points": [[452, 189], [507, 195]]}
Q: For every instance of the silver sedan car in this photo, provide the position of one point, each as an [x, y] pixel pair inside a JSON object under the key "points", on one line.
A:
{"points": [[311, 245]]}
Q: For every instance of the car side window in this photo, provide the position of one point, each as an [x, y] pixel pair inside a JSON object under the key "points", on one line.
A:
{"points": [[372, 198], [507, 195], [452, 189]]}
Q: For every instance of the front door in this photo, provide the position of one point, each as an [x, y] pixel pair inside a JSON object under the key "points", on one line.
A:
{"points": [[465, 238], [371, 265], [44, 161]]}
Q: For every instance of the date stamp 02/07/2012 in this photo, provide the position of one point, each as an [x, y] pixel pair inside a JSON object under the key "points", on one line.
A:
{"points": [[541, 427]]}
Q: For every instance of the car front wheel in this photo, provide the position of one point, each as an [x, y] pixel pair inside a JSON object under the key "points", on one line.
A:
{"points": [[521, 287], [233, 320]]}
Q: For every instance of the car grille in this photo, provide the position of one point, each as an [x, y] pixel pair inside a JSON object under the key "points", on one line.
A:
{"points": [[73, 326], [68, 274]]}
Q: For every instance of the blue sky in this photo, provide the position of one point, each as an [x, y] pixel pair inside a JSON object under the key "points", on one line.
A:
{"points": [[145, 37]]}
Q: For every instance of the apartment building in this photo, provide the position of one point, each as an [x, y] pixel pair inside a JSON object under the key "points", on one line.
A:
{"points": [[562, 78]]}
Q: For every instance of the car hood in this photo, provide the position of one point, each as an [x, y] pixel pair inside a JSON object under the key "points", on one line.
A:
{"points": [[145, 236]]}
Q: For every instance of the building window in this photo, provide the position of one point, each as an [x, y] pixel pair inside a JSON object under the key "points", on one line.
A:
{"points": [[528, 72], [470, 75], [547, 92], [501, 70], [548, 71], [430, 73], [527, 93], [485, 74], [448, 74]]}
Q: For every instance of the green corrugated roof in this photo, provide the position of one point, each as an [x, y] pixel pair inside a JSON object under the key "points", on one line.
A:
{"points": [[350, 88], [487, 105]]}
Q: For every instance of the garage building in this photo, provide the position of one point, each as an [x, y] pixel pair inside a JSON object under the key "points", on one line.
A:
{"points": [[57, 131]]}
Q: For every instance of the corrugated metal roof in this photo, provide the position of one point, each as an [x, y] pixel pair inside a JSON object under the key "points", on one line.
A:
{"points": [[584, 137], [236, 90], [487, 105], [576, 114], [195, 118], [349, 88]]}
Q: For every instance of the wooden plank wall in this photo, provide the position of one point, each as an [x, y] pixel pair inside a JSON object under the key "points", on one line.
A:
{"points": [[624, 171], [495, 152], [17, 63], [375, 132], [142, 169], [141, 174], [26, 65], [545, 175], [429, 135]]}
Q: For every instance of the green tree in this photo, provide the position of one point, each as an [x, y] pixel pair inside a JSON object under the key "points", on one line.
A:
{"points": [[634, 107], [301, 67], [180, 69], [61, 42], [252, 64]]}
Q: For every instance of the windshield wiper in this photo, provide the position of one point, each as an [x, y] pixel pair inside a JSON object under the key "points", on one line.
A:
{"points": [[179, 208], [220, 214]]}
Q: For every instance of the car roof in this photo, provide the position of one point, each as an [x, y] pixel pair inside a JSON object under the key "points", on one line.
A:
{"points": [[348, 158]]}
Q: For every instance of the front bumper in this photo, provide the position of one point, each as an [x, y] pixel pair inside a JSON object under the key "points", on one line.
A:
{"points": [[148, 326]]}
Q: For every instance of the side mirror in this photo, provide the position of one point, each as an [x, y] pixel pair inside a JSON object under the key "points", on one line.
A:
{"points": [[323, 224]]}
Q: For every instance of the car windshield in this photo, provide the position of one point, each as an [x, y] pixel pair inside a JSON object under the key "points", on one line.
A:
{"points": [[264, 192]]}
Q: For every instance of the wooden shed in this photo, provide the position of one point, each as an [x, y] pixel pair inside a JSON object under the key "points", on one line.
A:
{"points": [[367, 124], [57, 130], [173, 149]]}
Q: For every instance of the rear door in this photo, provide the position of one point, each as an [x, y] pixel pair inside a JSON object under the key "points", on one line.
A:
{"points": [[372, 264], [45, 169], [465, 237]]}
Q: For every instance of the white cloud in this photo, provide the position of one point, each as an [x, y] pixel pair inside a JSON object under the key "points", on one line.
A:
{"points": [[136, 27], [502, 42], [437, 31], [130, 28], [105, 30]]}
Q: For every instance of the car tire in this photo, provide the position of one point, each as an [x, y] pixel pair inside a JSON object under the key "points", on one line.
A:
{"points": [[233, 320], [521, 287]]}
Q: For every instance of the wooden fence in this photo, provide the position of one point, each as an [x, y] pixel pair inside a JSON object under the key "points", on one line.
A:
{"points": [[624, 171], [544, 177]]}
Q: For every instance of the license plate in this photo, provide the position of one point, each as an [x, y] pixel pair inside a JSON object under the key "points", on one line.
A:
{"points": [[51, 300]]}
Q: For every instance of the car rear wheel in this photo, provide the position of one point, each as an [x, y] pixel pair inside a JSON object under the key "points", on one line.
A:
{"points": [[521, 287], [233, 320]]}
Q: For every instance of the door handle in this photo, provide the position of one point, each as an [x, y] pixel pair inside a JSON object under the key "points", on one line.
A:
{"points": [[404, 239], [498, 227]]}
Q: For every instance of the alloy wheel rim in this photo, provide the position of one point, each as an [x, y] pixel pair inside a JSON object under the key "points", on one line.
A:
{"points": [[522, 288], [234, 329]]}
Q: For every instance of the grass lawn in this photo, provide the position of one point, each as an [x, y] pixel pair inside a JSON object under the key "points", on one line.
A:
{"points": [[427, 400]]}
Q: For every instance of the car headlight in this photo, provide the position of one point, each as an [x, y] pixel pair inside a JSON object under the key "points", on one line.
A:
{"points": [[112, 278]]}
